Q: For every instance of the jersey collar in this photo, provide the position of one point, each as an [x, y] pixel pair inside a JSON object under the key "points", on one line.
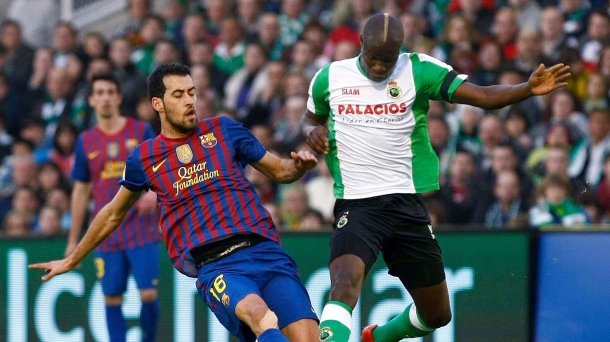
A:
{"points": [[360, 68]]}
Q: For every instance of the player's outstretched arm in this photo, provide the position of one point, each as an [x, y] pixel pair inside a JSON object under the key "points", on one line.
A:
{"points": [[81, 193], [104, 223], [286, 170], [541, 82], [314, 128]]}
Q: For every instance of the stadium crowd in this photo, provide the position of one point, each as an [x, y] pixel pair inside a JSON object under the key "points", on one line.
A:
{"points": [[539, 162]]}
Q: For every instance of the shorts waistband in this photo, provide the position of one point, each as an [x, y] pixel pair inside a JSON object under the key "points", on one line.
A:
{"points": [[217, 250]]}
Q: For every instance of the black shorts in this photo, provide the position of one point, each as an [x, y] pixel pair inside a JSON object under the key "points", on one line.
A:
{"points": [[398, 225]]}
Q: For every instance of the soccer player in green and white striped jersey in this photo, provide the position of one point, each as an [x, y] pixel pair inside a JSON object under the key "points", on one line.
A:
{"points": [[368, 116]]}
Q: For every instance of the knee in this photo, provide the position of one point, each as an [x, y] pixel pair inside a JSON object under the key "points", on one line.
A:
{"points": [[438, 320], [346, 289], [113, 300], [149, 295], [256, 315]]}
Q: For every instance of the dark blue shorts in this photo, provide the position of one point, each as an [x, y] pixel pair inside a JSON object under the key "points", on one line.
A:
{"points": [[265, 270], [113, 268]]}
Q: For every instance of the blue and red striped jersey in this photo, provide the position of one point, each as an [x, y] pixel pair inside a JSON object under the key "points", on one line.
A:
{"points": [[201, 187], [100, 160]]}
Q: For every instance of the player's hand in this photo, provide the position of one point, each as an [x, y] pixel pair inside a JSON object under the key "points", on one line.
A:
{"points": [[148, 203], [544, 81], [318, 139], [304, 160], [52, 268]]}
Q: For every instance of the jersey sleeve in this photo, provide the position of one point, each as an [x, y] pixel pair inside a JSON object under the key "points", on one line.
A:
{"points": [[134, 177], [248, 148], [434, 78], [319, 95], [80, 169]]}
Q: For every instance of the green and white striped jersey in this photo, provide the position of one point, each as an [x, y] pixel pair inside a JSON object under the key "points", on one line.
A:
{"points": [[379, 140]]}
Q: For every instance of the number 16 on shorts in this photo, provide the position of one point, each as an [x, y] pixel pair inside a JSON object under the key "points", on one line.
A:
{"points": [[218, 290]]}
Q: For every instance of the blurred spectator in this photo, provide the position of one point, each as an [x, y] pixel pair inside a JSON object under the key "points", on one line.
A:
{"points": [[577, 83], [11, 108], [263, 185], [264, 134], [274, 212], [49, 221], [598, 32], [6, 140], [491, 135], [18, 64], [312, 221], [345, 50], [173, 15], [604, 62], [294, 207], [296, 83], [62, 153], [464, 123], [462, 193], [37, 18], [597, 93], [458, 34], [532, 107], [564, 108], [575, 13], [292, 21], [216, 11], [26, 200], [412, 26], [528, 13], [516, 127], [490, 65], [503, 158], [79, 102], [95, 46], [33, 131], [246, 85], [477, 14], [287, 127], [554, 208], [320, 191], [60, 198], [558, 136], [588, 156], [152, 32], [193, 32], [557, 162], [509, 209], [165, 52], [442, 143], [66, 52], [204, 91], [315, 35], [268, 36], [303, 58], [41, 66], [202, 53], [505, 31], [603, 188], [138, 10], [249, 13], [553, 38], [271, 98], [229, 53], [146, 112], [49, 177], [529, 55], [133, 83], [594, 209], [436, 210], [17, 224]]}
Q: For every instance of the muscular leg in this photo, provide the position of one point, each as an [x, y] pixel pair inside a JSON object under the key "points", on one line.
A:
{"points": [[430, 310], [149, 314], [303, 330], [254, 312], [117, 326], [347, 274]]}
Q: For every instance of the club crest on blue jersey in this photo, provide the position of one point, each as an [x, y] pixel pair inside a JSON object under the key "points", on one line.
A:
{"points": [[131, 144], [112, 149], [225, 300], [184, 153], [208, 140]]}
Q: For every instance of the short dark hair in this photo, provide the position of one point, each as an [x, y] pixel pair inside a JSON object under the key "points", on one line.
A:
{"points": [[156, 87], [105, 76]]}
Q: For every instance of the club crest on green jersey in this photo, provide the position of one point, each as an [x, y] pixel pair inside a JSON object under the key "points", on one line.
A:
{"points": [[394, 92]]}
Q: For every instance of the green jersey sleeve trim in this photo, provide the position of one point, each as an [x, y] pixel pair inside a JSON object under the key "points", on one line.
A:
{"points": [[451, 83], [435, 78], [320, 92]]}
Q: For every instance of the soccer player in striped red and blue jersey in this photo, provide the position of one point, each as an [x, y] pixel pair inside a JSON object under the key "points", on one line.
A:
{"points": [[213, 222], [100, 156]]}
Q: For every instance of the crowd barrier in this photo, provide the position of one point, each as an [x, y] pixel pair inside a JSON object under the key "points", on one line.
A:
{"points": [[503, 286]]}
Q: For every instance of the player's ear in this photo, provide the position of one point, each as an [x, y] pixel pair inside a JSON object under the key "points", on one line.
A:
{"points": [[157, 104]]}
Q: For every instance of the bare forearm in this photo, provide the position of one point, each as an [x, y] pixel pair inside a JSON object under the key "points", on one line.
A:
{"points": [[106, 221], [496, 96], [78, 211], [288, 172]]}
